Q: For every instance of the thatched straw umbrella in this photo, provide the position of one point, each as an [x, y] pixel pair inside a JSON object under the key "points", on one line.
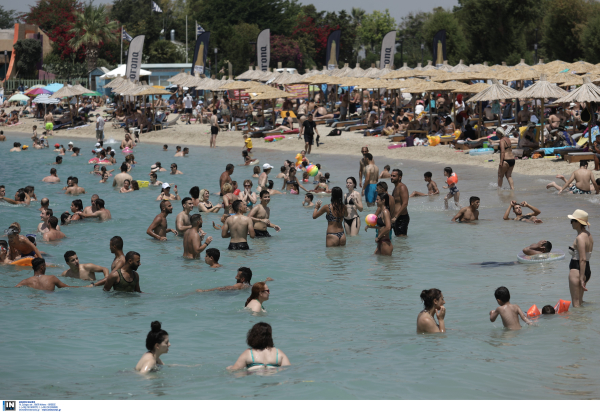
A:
{"points": [[542, 89], [460, 68], [247, 75], [496, 91], [273, 95], [561, 78], [69, 91], [582, 67], [588, 92]]}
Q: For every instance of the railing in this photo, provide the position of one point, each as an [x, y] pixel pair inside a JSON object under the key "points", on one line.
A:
{"points": [[11, 85]]}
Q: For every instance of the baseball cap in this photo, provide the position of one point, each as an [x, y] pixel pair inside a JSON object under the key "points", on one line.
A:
{"points": [[572, 105], [56, 145], [97, 144], [267, 166], [165, 185], [71, 143]]}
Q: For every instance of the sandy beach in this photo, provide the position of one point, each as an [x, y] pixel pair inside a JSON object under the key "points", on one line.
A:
{"points": [[347, 143]]}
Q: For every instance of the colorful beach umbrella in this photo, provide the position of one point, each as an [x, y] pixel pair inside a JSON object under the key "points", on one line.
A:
{"points": [[53, 87], [37, 91], [19, 97], [92, 94]]}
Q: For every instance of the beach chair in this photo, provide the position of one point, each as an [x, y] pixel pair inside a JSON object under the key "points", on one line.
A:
{"points": [[172, 122], [397, 137], [345, 123], [579, 156], [158, 122], [356, 127]]}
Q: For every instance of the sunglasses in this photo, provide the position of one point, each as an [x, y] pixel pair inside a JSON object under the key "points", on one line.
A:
{"points": [[267, 290], [247, 185]]}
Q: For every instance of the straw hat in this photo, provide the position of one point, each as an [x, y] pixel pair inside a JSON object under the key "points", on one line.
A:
{"points": [[501, 131], [580, 216]]}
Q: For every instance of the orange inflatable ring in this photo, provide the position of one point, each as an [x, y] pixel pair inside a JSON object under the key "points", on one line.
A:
{"points": [[533, 312], [26, 261], [453, 179], [562, 306]]}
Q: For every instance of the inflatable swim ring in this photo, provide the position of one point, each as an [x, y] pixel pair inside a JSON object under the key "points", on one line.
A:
{"points": [[269, 138], [453, 179], [397, 145], [127, 150], [95, 160], [433, 140], [26, 261], [479, 152], [255, 162], [556, 254]]}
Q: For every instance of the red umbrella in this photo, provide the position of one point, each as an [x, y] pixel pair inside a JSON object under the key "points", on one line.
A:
{"points": [[37, 91]]}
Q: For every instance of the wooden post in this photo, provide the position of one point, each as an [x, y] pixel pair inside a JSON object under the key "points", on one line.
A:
{"points": [[479, 121], [542, 129]]}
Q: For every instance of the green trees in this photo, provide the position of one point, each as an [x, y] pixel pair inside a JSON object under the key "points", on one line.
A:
{"points": [[163, 51], [456, 43], [8, 18], [373, 27], [28, 55], [564, 24], [238, 49]]}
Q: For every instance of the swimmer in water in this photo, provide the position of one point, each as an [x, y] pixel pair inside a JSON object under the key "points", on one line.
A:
{"points": [[52, 233], [248, 196], [41, 281], [308, 200], [271, 190], [126, 187], [53, 178], [469, 213], [74, 188], [384, 226], [211, 258], [174, 170], [84, 271], [247, 158], [433, 300], [335, 212], [264, 177], [242, 281], [165, 193], [517, 208], [4, 260], [260, 216], [204, 203], [582, 178], [256, 171], [182, 221], [369, 190], [432, 188], [192, 239], [543, 246], [454, 192], [509, 312], [116, 248], [385, 174], [43, 225], [101, 213], [581, 252], [238, 227], [125, 279], [158, 228], [262, 353], [260, 294], [157, 343]]}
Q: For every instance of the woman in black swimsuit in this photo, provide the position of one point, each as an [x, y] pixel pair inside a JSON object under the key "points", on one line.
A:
{"points": [[335, 214], [507, 159], [353, 203], [384, 226]]}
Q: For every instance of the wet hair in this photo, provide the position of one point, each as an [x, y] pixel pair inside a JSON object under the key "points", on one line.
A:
{"points": [[369, 156], [29, 189], [428, 174], [583, 163], [473, 199], [127, 180], [100, 203], [214, 254], [68, 254], [229, 167], [386, 167], [310, 196], [59, 158], [186, 149], [244, 153], [502, 294], [37, 263], [156, 335], [247, 181], [448, 170], [195, 219], [53, 222], [195, 192], [547, 246], [283, 169], [4, 243], [353, 180], [383, 185], [260, 336], [117, 242], [236, 205], [135, 185], [246, 273], [397, 171], [130, 255], [158, 164], [256, 289], [270, 184], [185, 199], [31, 238], [178, 147], [74, 180], [78, 204], [337, 204], [428, 296], [257, 169], [154, 175], [385, 198], [21, 194], [124, 167], [262, 193], [63, 218], [548, 310], [227, 188], [174, 165]]}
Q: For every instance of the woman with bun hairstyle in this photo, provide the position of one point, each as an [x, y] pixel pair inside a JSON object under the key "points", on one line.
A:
{"points": [[260, 293], [433, 300], [262, 353], [157, 343]]}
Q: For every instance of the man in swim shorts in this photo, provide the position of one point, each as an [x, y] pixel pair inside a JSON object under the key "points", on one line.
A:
{"points": [[158, 228], [182, 221], [226, 176], [84, 271], [469, 213], [371, 177], [582, 178], [214, 129], [308, 128], [18, 245], [101, 213], [49, 123], [125, 279], [400, 217], [120, 178], [362, 164], [41, 281], [543, 246], [192, 240], [517, 208], [53, 178], [238, 227], [260, 216]]}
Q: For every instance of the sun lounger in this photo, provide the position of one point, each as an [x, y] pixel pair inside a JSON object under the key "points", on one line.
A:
{"points": [[355, 127], [579, 156], [345, 123], [396, 137], [276, 132]]}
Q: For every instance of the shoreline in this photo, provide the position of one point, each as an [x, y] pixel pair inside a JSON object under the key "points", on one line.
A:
{"points": [[348, 143]]}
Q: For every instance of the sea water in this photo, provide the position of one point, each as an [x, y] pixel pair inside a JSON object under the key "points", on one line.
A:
{"points": [[346, 318]]}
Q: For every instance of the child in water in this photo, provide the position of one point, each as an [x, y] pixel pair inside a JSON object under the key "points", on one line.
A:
{"points": [[432, 188], [451, 181], [305, 177], [508, 312], [308, 200], [548, 310]]}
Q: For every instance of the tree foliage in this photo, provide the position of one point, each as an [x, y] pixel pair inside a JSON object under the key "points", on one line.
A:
{"points": [[64, 68], [8, 18], [374, 27], [238, 49], [28, 54], [563, 28], [411, 34], [456, 43], [163, 51], [285, 50]]}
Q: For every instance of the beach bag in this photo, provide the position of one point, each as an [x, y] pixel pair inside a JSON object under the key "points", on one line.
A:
{"points": [[335, 132]]}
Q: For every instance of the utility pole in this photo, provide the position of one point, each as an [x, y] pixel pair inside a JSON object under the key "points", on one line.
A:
{"points": [[216, 62], [422, 50], [535, 47]]}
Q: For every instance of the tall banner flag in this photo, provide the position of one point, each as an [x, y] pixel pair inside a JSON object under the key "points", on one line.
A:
{"points": [[156, 8], [199, 30], [134, 58], [263, 49], [439, 48], [200, 53], [333, 49], [388, 48], [126, 36]]}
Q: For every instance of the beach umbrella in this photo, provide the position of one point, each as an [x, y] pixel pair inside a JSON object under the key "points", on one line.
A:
{"points": [[37, 86], [575, 81], [429, 65], [53, 87], [565, 77], [96, 93], [522, 64], [19, 97], [582, 67], [496, 91], [177, 77], [357, 71], [445, 66], [246, 75], [114, 82], [68, 91], [587, 93], [460, 68], [542, 89], [36, 91], [45, 99]]}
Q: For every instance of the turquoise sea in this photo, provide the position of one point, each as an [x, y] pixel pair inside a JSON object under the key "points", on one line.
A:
{"points": [[345, 318]]}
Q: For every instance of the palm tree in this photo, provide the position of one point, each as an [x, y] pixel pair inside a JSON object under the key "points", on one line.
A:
{"points": [[92, 27]]}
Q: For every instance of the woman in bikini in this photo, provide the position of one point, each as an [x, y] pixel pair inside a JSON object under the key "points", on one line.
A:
{"points": [[335, 212], [76, 209], [288, 184], [507, 159], [433, 300], [157, 343], [581, 252], [228, 199], [384, 225], [247, 196], [262, 353], [259, 295], [203, 202], [353, 203]]}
